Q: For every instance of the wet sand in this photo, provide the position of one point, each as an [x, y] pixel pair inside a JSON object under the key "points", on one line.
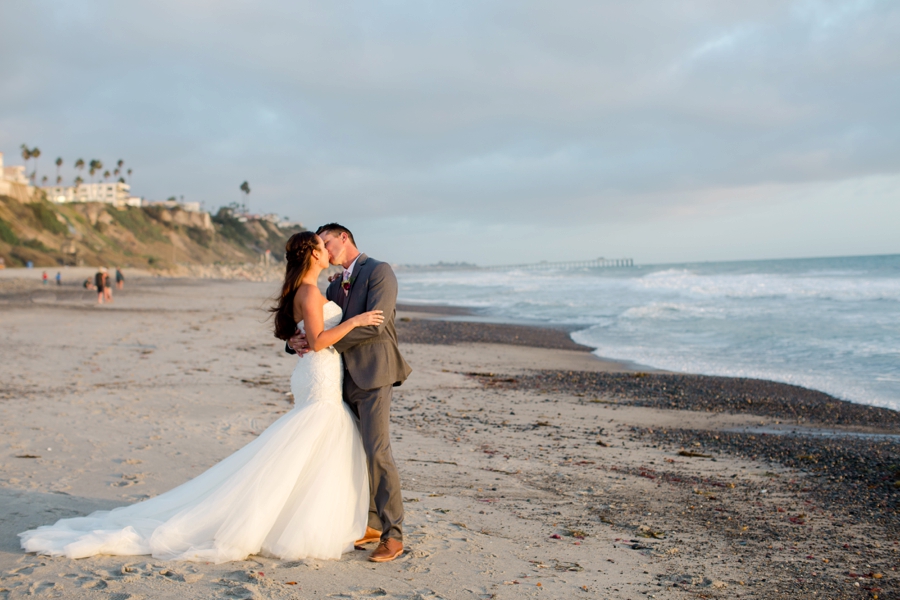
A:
{"points": [[530, 468]]}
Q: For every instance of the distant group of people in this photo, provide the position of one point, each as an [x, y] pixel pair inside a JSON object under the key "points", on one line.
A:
{"points": [[45, 278], [102, 284]]}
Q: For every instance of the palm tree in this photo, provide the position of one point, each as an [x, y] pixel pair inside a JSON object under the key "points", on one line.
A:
{"points": [[78, 182], [79, 164], [94, 166], [105, 175], [121, 180], [44, 180], [59, 162], [116, 173], [26, 155], [129, 176], [245, 187], [35, 154], [58, 179], [119, 164]]}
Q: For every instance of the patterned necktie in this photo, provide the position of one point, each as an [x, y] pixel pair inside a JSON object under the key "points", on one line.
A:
{"points": [[345, 286]]}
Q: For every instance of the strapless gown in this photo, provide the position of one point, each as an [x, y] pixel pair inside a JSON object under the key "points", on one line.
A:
{"points": [[299, 490]]}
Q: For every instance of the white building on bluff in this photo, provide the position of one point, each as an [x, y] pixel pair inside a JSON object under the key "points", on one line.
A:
{"points": [[12, 174], [14, 183], [117, 194], [172, 204]]}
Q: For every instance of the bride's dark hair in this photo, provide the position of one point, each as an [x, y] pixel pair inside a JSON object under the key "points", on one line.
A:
{"points": [[298, 254]]}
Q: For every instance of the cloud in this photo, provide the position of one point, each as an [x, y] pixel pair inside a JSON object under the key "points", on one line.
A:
{"points": [[523, 113]]}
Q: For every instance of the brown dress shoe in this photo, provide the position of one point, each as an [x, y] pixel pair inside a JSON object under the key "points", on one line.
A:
{"points": [[388, 549], [371, 535]]}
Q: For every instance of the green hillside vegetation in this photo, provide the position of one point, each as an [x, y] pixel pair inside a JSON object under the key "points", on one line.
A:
{"points": [[96, 234]]}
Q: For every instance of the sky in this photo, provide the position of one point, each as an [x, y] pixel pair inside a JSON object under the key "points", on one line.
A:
{"points": [[484, 131]]}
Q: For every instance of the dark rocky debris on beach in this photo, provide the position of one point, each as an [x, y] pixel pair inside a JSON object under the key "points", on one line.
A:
{"points": [[858, 476], [426, 331], [847, 485], [436, 309], [789, 403]]}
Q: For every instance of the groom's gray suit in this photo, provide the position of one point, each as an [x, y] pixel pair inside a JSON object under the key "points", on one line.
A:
{"points": [[372, 366]]}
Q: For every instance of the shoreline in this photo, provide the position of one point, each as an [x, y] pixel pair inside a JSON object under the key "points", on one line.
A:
{"points": [[443, 324], [789, 404]]}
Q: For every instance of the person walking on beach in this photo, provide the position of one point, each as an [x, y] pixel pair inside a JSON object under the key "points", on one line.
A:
{"points": [[44, 278], [98, 283], [58, 278], [120, 279], [107, 287], [299, 490], [372, 367]]}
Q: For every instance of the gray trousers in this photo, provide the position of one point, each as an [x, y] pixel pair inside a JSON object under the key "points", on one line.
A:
{"points": [[373, 408]]}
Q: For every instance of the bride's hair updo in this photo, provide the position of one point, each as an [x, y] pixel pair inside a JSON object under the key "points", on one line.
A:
{"points": [[298, 255]]}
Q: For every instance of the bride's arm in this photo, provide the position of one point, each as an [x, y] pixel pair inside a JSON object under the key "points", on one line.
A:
{"points": [[317, 336], [381, 295]]}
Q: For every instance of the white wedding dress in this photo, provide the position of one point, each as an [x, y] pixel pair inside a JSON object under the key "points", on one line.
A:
{"points": [[299, 490]]}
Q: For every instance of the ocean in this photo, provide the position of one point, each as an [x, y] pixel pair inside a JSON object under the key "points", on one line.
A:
{"points": [[831, 324]]}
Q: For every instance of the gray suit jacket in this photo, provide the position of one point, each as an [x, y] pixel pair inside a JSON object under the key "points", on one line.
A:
{"points": [[370, 354]]}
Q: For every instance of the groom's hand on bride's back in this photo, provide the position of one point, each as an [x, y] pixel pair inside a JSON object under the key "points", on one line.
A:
{"points": [[298, 344]]}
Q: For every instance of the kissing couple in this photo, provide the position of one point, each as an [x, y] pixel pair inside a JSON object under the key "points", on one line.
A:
{"points": [[313, 484]]}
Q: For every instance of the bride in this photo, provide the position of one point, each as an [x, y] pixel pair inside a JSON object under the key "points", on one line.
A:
{"points": [[299, 490]]}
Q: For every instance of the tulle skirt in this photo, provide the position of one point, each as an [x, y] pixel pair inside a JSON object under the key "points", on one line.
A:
{"points": [[299, 490]]}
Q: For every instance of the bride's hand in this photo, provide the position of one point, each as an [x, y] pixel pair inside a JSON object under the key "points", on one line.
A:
{"points": [[373, 317], [299, 343]]}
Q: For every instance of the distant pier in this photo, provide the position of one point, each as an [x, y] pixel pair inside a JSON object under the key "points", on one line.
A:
{"points": [[598, 263]]}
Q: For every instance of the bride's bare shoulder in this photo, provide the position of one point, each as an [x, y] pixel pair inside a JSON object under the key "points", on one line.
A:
{"points": [[308, 296], [310, 290]]}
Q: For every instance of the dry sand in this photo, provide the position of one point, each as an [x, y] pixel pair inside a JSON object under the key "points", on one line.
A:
{"points": [[507, 492]]}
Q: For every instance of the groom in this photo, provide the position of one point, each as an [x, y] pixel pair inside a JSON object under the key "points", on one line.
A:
{"points": [[372, 366]]}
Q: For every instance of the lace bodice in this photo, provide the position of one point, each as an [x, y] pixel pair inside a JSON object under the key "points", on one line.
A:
{"points": [[331, 313], [318, 376]]}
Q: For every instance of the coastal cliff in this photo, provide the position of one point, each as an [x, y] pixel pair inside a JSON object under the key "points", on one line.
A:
{"points": [[153, 237]]}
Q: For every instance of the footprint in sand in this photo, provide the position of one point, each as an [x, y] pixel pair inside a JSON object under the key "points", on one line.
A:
{"points": [[417, 568], [26, 570], [43, 588], [129, 480], [242, 593], [363, 593]]}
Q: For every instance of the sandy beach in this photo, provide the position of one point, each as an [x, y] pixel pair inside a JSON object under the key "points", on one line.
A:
{"points": [[530, 467]]}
